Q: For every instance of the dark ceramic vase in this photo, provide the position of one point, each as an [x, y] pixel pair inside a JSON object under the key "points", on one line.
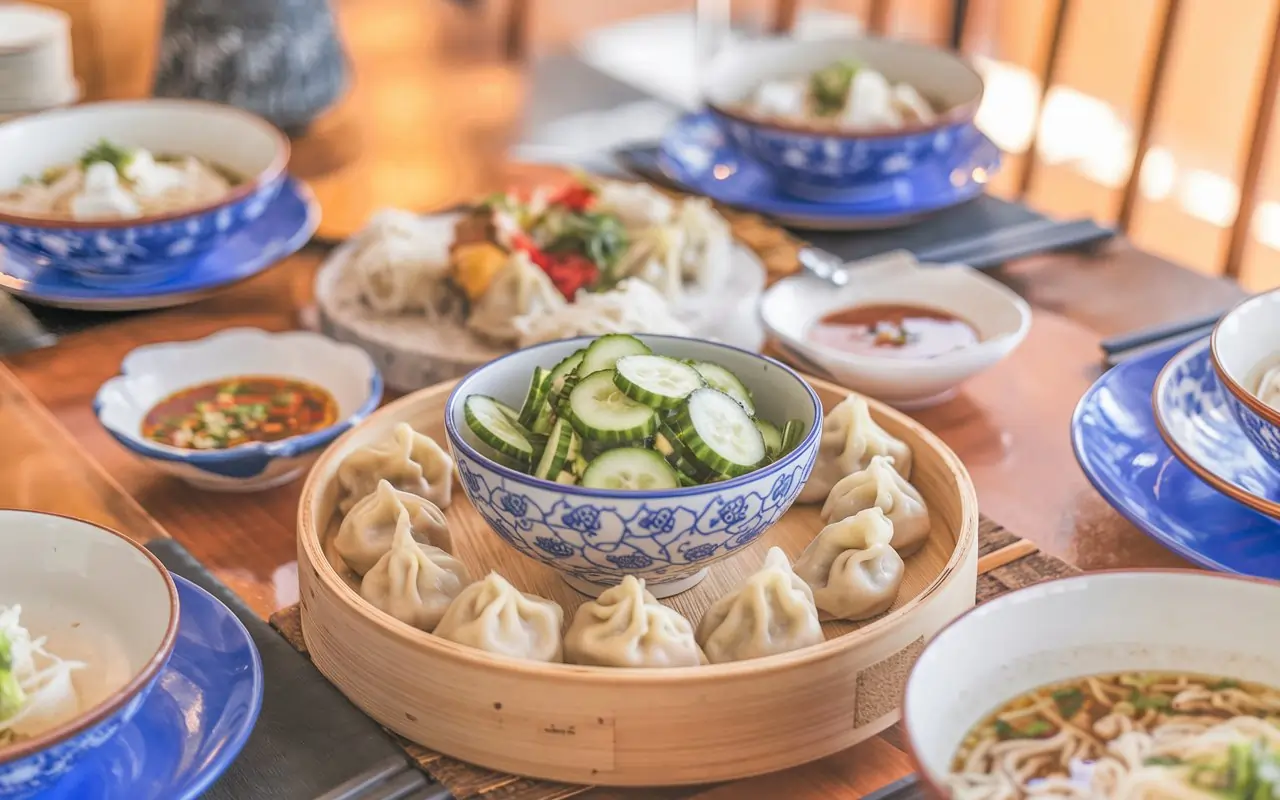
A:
{"points": [[280, 59]]}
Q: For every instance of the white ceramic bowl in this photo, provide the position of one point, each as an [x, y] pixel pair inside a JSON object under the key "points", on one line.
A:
{"points": [[1152, 620], [99, 598], [1002, 318], [153, 372], [595, 537], [144, 249], [1245, 343]]}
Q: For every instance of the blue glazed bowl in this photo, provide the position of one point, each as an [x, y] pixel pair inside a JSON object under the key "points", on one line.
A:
{"points": [[150, 248], [101, 599], [826, 163], [596, 537], [151, 373], [1244, 345]]}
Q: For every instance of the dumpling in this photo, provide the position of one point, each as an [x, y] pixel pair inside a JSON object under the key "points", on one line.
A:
{"points": [[880, 486], [781, 98], [654, 257], [869, 103], [410, 461], [853, 570], [1269, 388], [367, 531], [771, 612], [414, 582], [850, 439], [494, 616], [520, 288], [707, 246], [627, 627]]}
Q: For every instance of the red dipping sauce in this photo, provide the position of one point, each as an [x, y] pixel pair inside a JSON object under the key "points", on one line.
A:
{"points": [[891, 330]]}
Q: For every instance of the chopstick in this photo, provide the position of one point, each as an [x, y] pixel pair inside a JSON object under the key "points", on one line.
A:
{"points": [[392, 779], [1073, 235], [1185, 338], [904, 789], [1158, 333]]}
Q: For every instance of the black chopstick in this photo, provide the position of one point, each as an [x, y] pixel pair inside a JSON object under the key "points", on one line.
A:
{"points": [[391, 779], [907, 788], [1158, 333], [1184, 338], [1073, 235]]}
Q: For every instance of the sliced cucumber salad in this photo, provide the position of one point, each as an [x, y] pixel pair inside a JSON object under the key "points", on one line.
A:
{"points": [[615, 415]]}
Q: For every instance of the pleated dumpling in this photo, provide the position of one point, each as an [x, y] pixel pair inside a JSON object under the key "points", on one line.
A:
{"points": [[367, 531], [410, 461], [494, 616], [880, 486], [414, 582], [772, 611], [853, 570], [850, 439], [627, 627]]}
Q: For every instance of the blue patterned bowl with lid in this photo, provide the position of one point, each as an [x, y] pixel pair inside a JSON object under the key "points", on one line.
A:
{"points": [[596, 537], [149, 248], [831, 162]]}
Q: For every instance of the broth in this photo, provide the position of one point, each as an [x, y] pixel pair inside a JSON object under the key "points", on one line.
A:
{"points": [[893, 330], [1143, 734], [234, 411]]}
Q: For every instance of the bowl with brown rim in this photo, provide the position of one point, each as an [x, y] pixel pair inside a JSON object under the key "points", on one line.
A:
{"points": [[1244, 346]]}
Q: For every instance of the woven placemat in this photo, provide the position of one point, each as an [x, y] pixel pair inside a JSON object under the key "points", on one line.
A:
{"points": [[1005, 562]]}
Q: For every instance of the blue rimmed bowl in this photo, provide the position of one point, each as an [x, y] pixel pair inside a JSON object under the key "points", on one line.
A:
{"points": [[100, 599], [151, 373], [827, 163], [1244, 345], [594, 538], [150, 248]]}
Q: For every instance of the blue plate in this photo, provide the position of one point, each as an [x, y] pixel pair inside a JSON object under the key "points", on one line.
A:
{"points": [[695, 153], [1195, 419], [281, 231], [1119, 447], [195, 722]]}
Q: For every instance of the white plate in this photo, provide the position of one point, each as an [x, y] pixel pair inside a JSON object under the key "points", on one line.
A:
{"points": [[413, 353]]}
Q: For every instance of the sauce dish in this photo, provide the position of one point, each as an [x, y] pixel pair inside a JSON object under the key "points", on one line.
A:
{"points": [[153, 373], [99, 599], [792, 308], [1246, 344]]}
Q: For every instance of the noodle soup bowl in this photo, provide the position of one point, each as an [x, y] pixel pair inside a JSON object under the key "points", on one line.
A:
{"points": [[1245, 344], [146, 249], [825, 162], [99, 599], [1170, 621], [596, 537], [154, 372]]}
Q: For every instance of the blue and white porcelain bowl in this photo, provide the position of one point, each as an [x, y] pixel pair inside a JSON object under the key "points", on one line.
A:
{"points": [[596, 537], [829, 164], [1244, 345], [150, 248], [151, 373], [98, 598]]}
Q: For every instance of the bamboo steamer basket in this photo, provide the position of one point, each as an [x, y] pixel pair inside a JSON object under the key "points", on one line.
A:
{"points": [[633, 727]]}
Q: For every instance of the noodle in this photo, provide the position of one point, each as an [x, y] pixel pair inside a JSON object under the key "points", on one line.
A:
{"points": [[1126, 737]]}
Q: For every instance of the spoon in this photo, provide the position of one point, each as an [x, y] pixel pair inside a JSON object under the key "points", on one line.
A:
{"points": [[822, 264]]}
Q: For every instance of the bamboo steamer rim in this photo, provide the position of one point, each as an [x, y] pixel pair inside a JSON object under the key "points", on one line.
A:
{"points": [[310, 535]]}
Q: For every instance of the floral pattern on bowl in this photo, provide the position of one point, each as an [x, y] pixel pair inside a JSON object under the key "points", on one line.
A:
{"points": [[1244, 343], [595, 537], [1195, 418]]}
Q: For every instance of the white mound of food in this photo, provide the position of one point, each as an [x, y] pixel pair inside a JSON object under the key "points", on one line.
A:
{"points": [[36, 692]]}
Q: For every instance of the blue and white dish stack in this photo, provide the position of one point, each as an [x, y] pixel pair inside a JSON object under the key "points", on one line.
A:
{"points": [[1181, 443], [829, 177], [161, 259]]}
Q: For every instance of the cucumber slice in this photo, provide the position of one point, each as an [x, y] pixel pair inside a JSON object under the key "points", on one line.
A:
{"points": [[792, 433], [506, 409], [493, 426], [657, 381], [717, 377], [606, 350], [677, 455], [630, 468], [539, 388], [577, 465], [719, 433], [545, 419], [772, 436], [686, 481], [600, 411], [567, 478], [559, 449], [565, 368], [561, 398]]}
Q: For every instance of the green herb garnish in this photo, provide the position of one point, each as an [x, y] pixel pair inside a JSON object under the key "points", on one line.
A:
{"points": [[1162, 761], [11, 695], [1154, 700], [113, 154], [1069, 701], [829, 87]]}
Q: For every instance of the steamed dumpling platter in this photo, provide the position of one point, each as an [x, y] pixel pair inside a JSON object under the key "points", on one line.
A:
{"points": [[585, 258]]}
